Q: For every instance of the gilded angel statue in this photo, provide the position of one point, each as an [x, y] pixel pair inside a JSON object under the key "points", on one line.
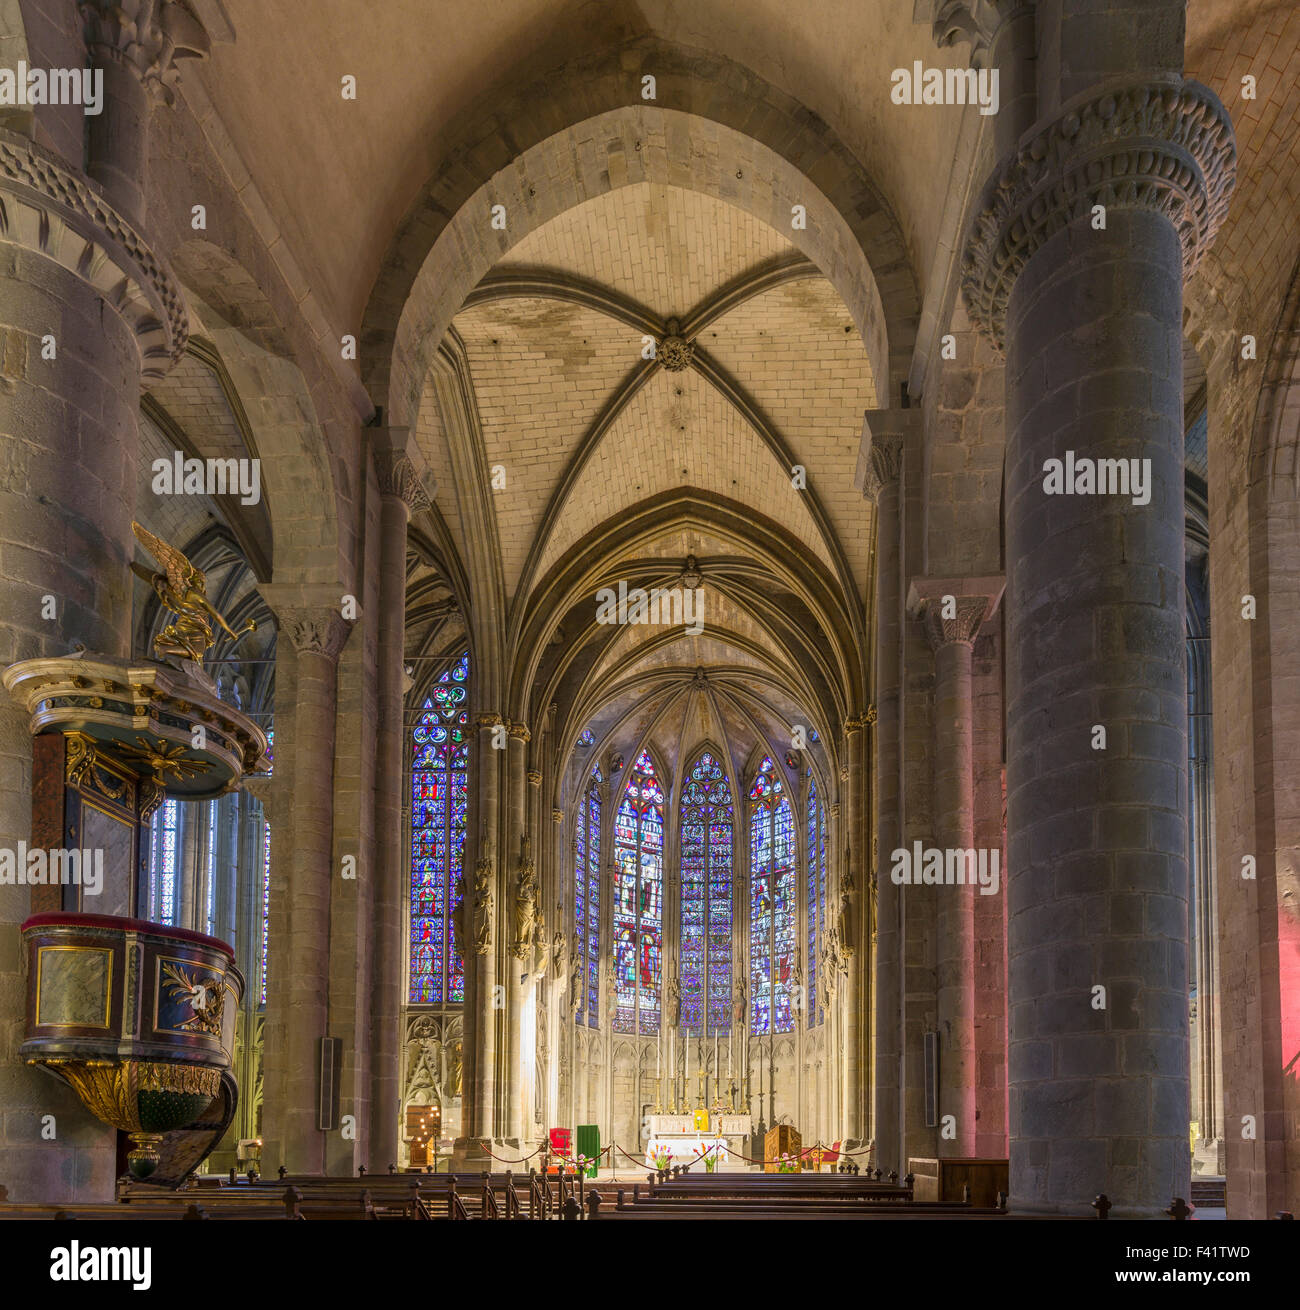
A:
{"points": [[182, 589]]}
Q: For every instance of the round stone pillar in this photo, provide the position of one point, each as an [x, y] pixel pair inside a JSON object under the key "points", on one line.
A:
{"points": [[87, 311], [1077, 260]]}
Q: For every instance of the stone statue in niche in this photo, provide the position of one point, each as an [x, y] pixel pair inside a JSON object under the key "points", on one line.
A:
{"points": [[455, 1065], [526, 915], [674, 1007], [739, 1003], [575, 984], [483, 906], [560, 953], [541, 949]]}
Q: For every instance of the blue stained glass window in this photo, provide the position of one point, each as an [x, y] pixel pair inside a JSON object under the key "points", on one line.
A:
{"points": [[439, 799], [586, 739], [706, 825], [586, 900], [772, 890], [163, 860], [816, 891], [210, 871], [638, 901]]}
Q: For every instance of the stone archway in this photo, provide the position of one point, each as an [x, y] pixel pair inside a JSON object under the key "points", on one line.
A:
{"points": [[302, 481], [539, 162]]}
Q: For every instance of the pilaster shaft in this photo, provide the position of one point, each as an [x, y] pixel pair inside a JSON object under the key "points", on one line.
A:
{"points": [[297, 988], [953, 611], [884, 437], [399, 494]]}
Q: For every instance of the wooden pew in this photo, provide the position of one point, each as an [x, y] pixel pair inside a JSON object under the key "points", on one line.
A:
{"points": [[637, 1207], [115, 1211]]}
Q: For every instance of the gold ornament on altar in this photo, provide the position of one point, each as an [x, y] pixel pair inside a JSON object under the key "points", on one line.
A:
{"points": [[182, 589]]}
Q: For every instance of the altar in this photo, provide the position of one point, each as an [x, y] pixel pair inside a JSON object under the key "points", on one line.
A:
{"points": [[678, 1138]]}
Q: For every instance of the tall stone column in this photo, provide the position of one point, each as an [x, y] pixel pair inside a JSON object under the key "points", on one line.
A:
{"points": [[953, 611], [479, 1077], [1076, 260], [87, 312], [883, 438], [518, 953], [400, 493], [297, 997], [852, 933]]}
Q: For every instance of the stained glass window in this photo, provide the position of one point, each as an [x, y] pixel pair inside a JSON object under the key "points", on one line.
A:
{"points": [[772, 902], [266, 902], [638, 900], [586, 900], [210, 865], [586, 739], [816, 891], [439, 796], [163, 858], [706, 818]]}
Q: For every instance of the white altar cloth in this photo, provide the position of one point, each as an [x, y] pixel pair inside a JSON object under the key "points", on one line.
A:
{"points": [[688, 1148], [677, 1133]]}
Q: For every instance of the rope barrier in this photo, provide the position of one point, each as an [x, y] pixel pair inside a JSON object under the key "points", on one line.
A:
{"points": [[502, 1160]]}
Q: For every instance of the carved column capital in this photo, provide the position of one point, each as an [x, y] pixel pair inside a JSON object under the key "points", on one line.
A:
{"points": [[148, 37], [557, 816], [885, 433], [520, 732], [314, 630], [398, 479], [1163, 144], [953, 610], [534, 777], [488, 719], [262, 790]]}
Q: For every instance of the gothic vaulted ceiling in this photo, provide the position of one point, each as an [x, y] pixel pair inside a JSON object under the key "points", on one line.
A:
{"points": [[606, 465]]}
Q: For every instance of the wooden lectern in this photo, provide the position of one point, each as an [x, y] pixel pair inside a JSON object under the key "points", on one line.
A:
{"points": [[783, 1139]]}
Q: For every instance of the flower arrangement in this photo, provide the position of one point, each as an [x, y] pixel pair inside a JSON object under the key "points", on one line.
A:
{"points": [[711, 1158], [663, 1157], [787, 1164]]}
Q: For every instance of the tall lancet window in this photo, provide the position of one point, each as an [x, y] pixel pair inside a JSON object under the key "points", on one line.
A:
{"points": [[164, 864], [439, 797], [586, 901], [771, 902], [638, 900], [816, 891], [706, 817]]}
